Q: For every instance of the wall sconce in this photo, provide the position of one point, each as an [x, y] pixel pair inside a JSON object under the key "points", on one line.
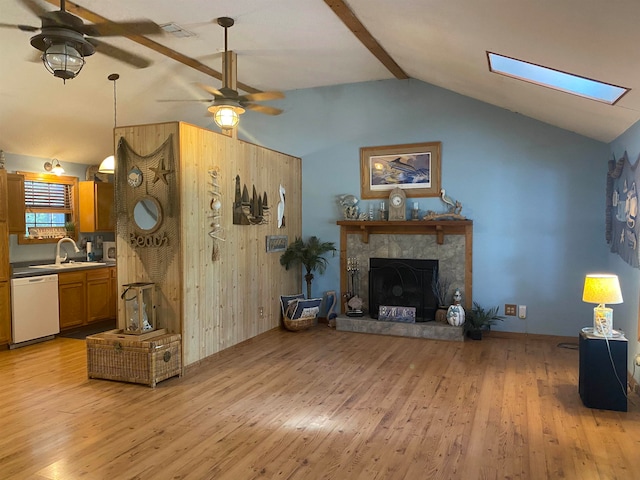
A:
{"points": [[602, 288], [54, 167]]}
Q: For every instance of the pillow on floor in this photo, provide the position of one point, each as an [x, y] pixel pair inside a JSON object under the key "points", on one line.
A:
{"points": [[304, 308], [285, 301]]}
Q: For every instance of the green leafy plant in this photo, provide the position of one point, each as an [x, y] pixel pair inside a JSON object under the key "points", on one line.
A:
{"points": [[480, 318], [310, 254]]}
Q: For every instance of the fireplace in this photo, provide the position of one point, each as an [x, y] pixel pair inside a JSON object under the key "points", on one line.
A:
{"points": [[405, 283]]}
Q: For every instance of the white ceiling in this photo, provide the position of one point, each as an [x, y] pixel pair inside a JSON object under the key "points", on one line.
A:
{"points": [[296, 44]]}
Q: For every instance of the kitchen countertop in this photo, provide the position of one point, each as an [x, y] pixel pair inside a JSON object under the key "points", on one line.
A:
{"points": [[30, 271]]}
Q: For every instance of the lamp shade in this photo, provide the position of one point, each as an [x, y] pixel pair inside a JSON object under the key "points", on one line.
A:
{"points": [[601, 288], [108, 165], [57, 168]]}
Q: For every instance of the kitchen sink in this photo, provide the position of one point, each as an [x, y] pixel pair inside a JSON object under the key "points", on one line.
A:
{"points": [[53, 266]]}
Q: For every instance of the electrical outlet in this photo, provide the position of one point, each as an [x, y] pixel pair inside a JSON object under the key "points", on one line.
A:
{"points": [[638, 360], [510, 309], [522, 311], [261, 311]]}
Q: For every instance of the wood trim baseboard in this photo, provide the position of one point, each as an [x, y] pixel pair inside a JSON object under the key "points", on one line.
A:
{"points": [[532, 336]]}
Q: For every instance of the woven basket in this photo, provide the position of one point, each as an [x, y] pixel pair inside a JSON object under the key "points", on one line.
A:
{"points": [[301, 323], [127, 358]]}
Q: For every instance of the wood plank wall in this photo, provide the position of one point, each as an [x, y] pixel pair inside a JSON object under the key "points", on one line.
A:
{"points": [[218, 303], [144, 140]]}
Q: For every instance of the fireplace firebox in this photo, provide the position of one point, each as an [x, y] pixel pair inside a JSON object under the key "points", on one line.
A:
{"points": [[405, 283]]}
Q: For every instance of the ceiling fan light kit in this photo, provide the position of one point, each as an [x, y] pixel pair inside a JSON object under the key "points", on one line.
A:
{"points": [[226, 113], [64, 39], [63, 60], [227, 104]]}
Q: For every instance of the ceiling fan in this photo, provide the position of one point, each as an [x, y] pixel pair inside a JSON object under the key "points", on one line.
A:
{"points": [[227, 104], [64, 39]]}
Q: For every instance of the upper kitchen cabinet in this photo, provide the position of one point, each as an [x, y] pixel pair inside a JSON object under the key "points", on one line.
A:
{"points": [[15, 196], [3, 196], [96, 207]]}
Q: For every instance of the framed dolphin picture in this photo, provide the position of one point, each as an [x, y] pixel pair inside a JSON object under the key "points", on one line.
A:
{"points": [[415, 168]]}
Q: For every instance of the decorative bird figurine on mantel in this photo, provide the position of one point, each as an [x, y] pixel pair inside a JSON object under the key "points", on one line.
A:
{"points": [[453, 209]]}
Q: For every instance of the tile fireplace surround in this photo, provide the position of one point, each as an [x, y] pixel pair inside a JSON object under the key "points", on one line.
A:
{"points": [[448, 241]]}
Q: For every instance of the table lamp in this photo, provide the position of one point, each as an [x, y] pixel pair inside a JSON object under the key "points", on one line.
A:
{"points": [[602, 288]]}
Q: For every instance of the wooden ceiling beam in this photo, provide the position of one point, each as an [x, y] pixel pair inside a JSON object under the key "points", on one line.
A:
{"points": [[90, 16], [344, 13]]}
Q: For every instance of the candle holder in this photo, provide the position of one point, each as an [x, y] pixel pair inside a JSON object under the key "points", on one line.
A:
{"points": [[415, 211], [140, 307], [383, 212]]}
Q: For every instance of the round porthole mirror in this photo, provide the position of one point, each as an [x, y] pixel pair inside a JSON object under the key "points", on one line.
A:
{"points": [[147, 214]]}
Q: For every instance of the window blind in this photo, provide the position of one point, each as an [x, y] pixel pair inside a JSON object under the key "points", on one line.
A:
{"points": [[43, 196]]}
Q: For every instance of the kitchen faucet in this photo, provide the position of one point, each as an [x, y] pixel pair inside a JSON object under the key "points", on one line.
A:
{"points": [[65, 239]]}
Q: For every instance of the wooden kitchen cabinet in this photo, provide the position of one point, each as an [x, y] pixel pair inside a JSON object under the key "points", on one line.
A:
{"points": [[5, 313], [15, 198], [86, 296], [3, 196], [114, 294], [72, 299], [96, 207], [5, 271], [98, 294]]}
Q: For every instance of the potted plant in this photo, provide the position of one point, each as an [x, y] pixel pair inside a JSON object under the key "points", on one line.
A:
{"points": [[310, 254], [480, 319], [70, 227]]}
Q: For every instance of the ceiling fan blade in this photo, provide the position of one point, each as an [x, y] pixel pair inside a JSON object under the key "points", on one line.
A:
{"points": [[24, 28], [211, 90], [261, 96], [186, 100], [34, 7], [111, 29], [119, 54], [262, 108]]}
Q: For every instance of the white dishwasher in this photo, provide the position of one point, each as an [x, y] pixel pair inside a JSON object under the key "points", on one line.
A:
{"points": [[34, 309]]}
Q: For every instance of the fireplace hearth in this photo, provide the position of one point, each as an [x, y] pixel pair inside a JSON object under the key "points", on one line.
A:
{"points": [[403, 282]]}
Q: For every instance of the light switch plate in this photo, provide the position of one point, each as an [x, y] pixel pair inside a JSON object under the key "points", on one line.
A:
{"points": [[522, 311]]}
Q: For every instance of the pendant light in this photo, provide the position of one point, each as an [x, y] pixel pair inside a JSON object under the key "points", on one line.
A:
{"points": [[108, 165]]}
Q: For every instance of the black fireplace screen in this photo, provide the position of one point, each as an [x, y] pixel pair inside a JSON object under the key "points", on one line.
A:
{"points": [[404, 283]]}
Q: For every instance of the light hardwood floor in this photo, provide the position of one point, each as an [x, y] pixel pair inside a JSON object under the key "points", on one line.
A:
{"points": [[317, 404]]}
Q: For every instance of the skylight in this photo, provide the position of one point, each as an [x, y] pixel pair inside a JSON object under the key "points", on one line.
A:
{"points": [[547, 77]]}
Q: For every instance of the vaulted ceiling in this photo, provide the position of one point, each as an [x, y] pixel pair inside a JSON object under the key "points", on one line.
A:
{"points": [[297, 44]]}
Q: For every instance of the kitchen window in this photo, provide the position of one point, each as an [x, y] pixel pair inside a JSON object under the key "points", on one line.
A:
{"points": [[51, 207]]}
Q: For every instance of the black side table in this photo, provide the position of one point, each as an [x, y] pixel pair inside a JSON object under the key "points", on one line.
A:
{"points": [[598, 385]]}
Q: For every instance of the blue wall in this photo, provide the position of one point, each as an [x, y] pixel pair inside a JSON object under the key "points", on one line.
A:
{"points": [[625, 315], [534, 192]]}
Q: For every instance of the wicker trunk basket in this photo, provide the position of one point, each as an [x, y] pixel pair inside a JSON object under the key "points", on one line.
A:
{"points": [[129, 358]]}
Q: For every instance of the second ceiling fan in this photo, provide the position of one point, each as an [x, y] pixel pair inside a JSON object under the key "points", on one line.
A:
{"points": [[227, 104]]}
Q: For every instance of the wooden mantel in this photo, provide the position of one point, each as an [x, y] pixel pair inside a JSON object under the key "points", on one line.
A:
{"points": [[439, 228]]}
